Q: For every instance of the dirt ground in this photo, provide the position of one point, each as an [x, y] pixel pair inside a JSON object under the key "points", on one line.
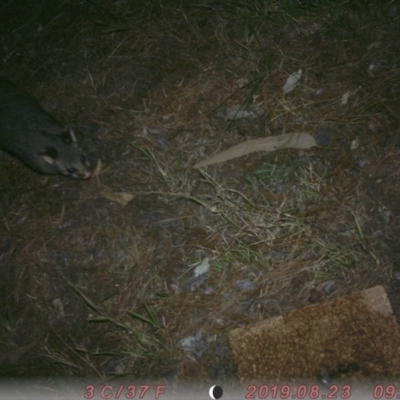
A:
{"points": [[96, 276]]}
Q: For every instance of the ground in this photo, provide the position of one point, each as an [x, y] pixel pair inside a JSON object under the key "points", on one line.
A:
{"points": [[96, 276]]}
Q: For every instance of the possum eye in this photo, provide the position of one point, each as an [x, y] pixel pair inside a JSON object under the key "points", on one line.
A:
{"points": [[83, 158], [71, 170]]}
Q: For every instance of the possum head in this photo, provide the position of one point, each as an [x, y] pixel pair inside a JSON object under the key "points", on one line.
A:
{"points": [[63, 156]]}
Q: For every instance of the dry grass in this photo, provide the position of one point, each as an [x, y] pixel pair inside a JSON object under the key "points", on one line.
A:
{"points": [[90, 287]]}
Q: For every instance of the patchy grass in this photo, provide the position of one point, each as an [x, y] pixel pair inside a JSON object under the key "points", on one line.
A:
{"points": [[91, 287]]}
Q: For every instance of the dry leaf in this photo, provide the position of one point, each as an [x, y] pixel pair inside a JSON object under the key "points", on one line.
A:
{"points": [[236, 112], [345, 98], [292, 81], [298, 140], [119, 197], [202, 268]]}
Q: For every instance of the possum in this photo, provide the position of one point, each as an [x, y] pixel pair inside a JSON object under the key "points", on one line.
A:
{"points": [[36, 138]]}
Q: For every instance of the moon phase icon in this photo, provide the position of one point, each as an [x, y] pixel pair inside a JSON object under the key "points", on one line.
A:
{"points": [[216, 392]]}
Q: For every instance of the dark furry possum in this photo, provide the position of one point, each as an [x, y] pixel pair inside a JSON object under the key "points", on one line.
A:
{"points": [[36, 138]]}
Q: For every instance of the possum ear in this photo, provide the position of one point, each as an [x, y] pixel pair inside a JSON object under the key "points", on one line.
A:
{"points": [[49, 155], [48, 159], [68, 136]]}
